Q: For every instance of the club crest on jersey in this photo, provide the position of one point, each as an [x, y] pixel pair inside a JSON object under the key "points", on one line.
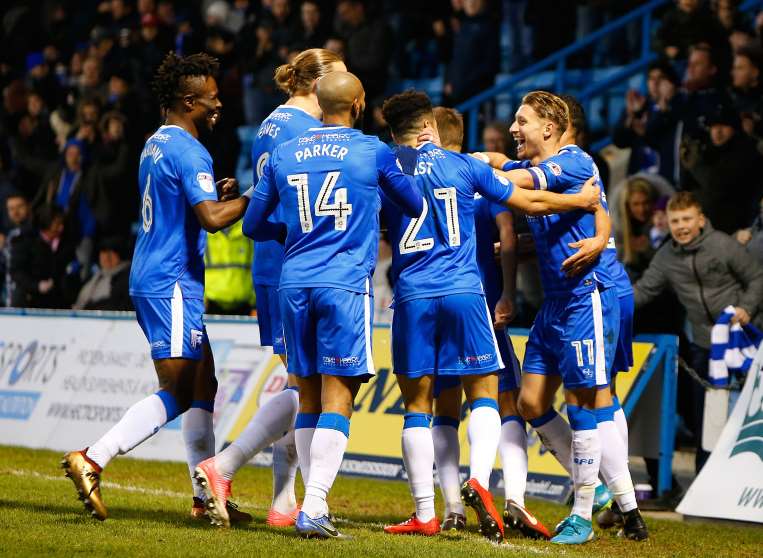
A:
{"points": [[555, 169], [206, 182], [196, 338]]}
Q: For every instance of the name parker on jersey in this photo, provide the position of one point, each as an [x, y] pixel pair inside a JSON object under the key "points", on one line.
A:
{"points": [[323, 150]]}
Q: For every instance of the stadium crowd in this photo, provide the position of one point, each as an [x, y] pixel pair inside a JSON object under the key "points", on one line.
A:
{"points": [[77, 108]]}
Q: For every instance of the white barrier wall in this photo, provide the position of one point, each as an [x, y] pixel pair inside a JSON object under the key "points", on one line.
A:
{"points": [[64, 381], [730, 485]]}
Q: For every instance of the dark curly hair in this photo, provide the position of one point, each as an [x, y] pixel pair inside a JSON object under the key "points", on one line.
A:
{"points": [[404, 111], [577, 114], [171, 78]]}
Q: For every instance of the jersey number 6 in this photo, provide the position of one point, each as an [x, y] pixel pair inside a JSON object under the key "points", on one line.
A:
{"points": [[147, 210]]}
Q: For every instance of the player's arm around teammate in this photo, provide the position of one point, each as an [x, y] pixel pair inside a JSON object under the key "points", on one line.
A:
{"points": [[324, 293]]}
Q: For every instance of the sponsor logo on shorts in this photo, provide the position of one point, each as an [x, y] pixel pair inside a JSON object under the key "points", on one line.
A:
{"points": [[587, 372], [341, 362], [158, 344], [476, 360], [197, 337]]}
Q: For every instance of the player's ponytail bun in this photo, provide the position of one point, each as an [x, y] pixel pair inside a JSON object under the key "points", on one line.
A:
{"points": [[285, 78], [298, 76]]}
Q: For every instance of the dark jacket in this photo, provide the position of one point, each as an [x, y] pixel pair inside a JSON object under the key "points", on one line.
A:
{"points": [[106, 290], [110, 188], [369, 50], [727, 183], [682, 30], [475, 61], [32, 260], [707, 275]]}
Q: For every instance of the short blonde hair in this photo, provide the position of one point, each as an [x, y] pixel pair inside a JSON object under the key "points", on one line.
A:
{"points": [[683, 200], [450, 126], [298, 75], [550, 107]]}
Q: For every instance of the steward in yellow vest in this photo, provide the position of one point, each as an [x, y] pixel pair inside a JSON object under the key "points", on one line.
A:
{"points": [[228, 277]]}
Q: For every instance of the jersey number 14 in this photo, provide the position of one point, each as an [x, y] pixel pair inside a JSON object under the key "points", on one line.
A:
{"points": [[339, 208]]}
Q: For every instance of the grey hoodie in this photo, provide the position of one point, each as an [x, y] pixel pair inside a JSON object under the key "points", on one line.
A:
{"points": [[708, 274]]}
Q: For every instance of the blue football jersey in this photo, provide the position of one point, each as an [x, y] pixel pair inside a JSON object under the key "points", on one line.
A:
{"points": [[609, 256], [434, 254], [284, 123], [327, 182], [617, 271], [566, 172], [486, 234], [175, 174]]}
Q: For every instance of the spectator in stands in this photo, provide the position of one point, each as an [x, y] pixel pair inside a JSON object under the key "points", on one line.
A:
{"points": [[337, 46], [263, 96], [63, 188], [476, 50], [747, 90], [723, 274], [687, 24], [633, 235], [7, 190], [704, 93], [752, 237], [108, 288], [37, 263], [149, 49], [18, 223], [496, 138], [728, 15], [649, 124], [553, 24], [109, 184], [90, 85], [88, 116], [40, 79], [123, 99], [284, 27], [368, 43], [724, 172], [34, 145], [314, 32], [117, 15]]}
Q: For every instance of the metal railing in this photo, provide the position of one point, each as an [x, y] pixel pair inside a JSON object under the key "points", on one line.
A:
{"points": [[559, 63]]}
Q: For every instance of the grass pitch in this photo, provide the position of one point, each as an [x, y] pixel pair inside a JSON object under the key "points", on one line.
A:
{"points": [[149, 505]]}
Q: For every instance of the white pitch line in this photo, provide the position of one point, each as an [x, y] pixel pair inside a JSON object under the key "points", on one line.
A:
{"points": [[507, 546], [118, 486]]}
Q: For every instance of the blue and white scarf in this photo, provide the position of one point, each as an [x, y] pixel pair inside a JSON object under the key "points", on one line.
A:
{"points": [[733, 348]]}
